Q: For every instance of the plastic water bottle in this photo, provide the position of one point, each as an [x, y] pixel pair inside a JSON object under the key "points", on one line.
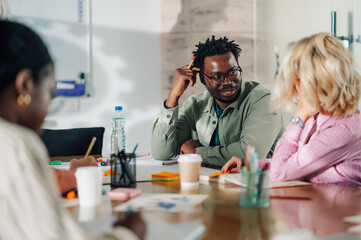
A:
{"points": [[118, 133]]}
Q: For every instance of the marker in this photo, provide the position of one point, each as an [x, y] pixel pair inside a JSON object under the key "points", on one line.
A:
{"points": [[248, 156], [71, 194], [55, 163], [135, 148], [190, 64]]}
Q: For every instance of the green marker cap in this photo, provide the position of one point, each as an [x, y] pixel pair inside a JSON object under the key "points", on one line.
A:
{"points": [[55, 163]]}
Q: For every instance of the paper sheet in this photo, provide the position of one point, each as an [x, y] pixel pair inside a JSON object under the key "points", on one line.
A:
{"points": [[175, 231], [148, 160], [163, 203]]}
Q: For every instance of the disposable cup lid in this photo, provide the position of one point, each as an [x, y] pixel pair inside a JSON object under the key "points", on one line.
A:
{"points": [[189, 158], [88, 170]]}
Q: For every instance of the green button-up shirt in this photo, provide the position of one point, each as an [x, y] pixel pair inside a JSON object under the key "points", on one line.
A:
{"points": [[247, 121]]}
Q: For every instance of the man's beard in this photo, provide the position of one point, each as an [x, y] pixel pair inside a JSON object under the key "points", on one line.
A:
{"points": [[227, 100]]}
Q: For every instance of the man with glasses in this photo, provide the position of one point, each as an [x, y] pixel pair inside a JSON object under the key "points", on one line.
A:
{"points": [[221, 122]]}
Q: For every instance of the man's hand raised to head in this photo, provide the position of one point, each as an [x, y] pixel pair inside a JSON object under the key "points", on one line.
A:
{"points": [[190, 146], [181, 80]]}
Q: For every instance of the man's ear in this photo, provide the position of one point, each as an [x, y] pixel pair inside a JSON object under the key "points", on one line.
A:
{"points": [[24, 82]]}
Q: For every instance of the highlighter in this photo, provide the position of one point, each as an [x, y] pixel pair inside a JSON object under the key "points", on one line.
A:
{"points": [[71, 194]]}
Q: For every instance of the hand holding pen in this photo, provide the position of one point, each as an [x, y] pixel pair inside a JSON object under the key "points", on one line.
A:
{"points": [[183, 77], [87, 160], [233, 165]]}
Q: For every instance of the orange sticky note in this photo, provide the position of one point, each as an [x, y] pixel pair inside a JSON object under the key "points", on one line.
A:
{"points": [[165, 176]]}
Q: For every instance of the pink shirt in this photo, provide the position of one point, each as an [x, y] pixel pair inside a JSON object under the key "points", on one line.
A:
{"points": [[330, 154]]}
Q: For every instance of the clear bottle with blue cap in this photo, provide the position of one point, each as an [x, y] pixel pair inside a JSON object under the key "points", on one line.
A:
{"points": [[118, 131]]}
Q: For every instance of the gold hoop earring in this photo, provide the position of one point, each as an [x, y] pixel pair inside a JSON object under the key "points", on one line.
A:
{"points": [[24, 99]]}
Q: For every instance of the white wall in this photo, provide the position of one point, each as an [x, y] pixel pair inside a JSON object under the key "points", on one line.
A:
{"points": [[357, 32], [280, 22], [126, 71]]}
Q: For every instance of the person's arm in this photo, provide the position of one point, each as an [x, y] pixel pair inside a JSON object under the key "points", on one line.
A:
{"points": [[293, 162], [169, 132], [66, 178], [260, 129]]}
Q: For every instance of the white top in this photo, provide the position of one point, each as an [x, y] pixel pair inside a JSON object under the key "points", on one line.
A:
{"points": [[29, 198]]}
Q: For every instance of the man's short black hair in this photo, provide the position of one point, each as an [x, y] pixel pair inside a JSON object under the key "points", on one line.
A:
{"points": [[214, 47]]}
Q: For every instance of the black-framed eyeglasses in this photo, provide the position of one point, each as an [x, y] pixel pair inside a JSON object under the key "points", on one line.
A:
{"points": [[234, 75]]}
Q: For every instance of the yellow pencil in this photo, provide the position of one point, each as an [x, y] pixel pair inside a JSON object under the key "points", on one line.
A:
{"points": [[90, 146], [190, 64]]}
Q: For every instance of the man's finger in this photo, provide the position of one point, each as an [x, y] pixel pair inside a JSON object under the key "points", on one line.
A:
{"points": [[195, 69], [225, 168]]}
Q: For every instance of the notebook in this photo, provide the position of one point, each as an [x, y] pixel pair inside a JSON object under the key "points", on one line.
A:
{"points": [[235, 178]]}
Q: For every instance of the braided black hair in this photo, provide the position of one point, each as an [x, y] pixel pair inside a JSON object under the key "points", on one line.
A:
{"points": [[213, 47], [21, 48]]}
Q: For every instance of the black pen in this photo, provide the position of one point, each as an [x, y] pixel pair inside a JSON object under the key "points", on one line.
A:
{"points": [[126, 166]]}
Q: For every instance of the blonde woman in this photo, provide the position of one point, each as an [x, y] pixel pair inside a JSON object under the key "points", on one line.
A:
{"points": [[322, 143]]}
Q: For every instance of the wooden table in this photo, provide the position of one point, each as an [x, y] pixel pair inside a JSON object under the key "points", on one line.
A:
{"points": [[224, 218]]}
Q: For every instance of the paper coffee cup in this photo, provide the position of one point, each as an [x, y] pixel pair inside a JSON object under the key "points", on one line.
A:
{"points": [[87, 213], [189, 166], [89, 181]]}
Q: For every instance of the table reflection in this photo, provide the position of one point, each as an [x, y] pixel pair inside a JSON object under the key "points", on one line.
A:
{"points": [[323, 214]]}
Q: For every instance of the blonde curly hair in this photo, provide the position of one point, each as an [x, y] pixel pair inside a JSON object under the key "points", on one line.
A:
{"points": [[327, 73]]}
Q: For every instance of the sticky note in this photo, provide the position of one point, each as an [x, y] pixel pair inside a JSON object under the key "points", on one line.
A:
{"points": [[165, 176]]}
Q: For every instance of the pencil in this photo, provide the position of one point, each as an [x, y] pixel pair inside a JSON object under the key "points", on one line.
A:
{"points": [[190, 64], [90, 146], [290, 197]]}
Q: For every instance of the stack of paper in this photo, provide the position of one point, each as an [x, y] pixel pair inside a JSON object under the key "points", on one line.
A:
{"points": [[235, 178]]}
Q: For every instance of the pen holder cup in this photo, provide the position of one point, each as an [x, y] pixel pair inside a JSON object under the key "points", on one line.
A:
{"points": [[123, 170], [255, 192]]}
